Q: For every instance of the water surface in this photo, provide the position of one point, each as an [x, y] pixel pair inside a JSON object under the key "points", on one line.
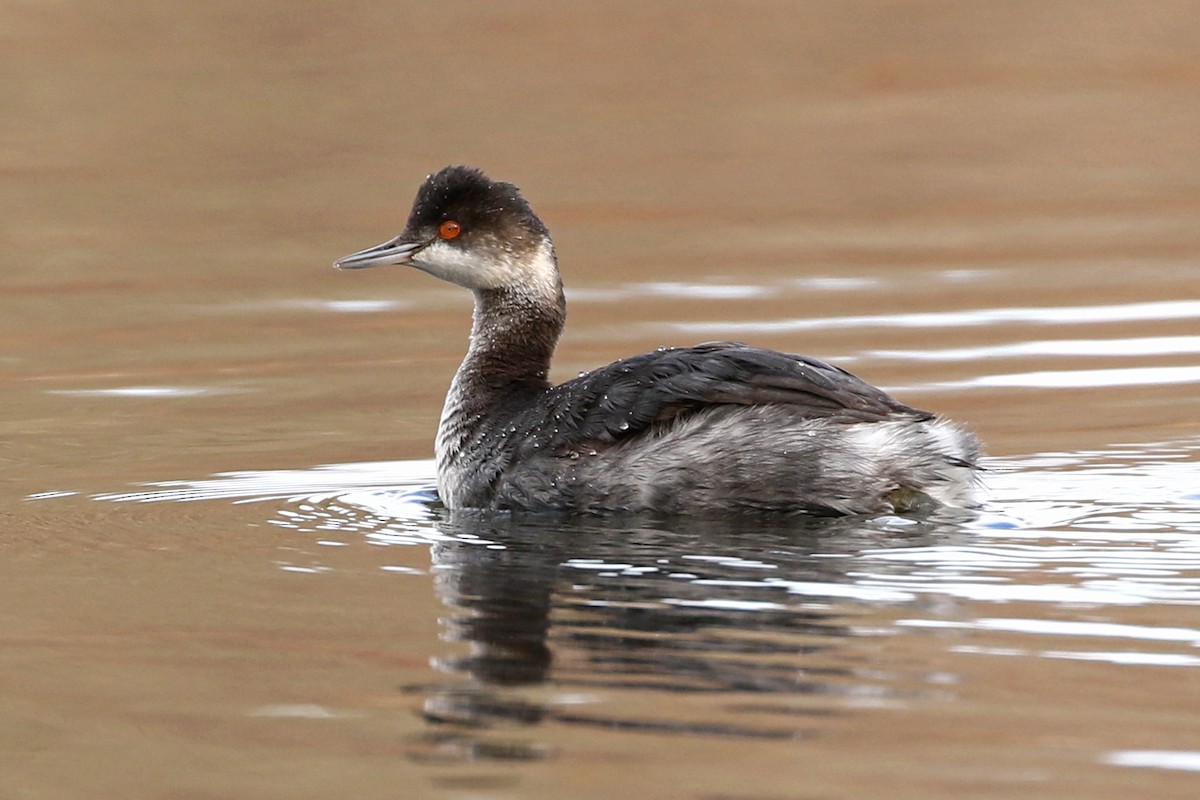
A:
{"points": [[221, 574]]}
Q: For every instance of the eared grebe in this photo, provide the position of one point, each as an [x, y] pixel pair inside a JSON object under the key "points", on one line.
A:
{"points": [[714, 428]]}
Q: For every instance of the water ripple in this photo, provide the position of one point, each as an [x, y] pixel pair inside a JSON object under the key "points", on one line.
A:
{"points": [[1115, 527], [1187, 760], [1045, 315], [1137, 346], [1081, 378], [1067, 546]]}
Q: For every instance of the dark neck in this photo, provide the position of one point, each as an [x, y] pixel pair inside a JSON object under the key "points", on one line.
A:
{"points": [[513, 336]]}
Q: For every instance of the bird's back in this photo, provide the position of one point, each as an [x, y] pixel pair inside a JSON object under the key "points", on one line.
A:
{"points": [[719, 426]]}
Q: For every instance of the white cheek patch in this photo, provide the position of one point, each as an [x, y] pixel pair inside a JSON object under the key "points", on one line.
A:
{"points": [[537, 274], [450, 263]]}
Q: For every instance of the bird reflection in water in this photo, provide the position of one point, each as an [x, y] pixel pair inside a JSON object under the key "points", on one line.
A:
{"points": [[607, 625]]}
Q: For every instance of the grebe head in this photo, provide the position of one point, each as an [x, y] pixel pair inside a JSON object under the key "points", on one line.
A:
{"points": [[472, 231]]}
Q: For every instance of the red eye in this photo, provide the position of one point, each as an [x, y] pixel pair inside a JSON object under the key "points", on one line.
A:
{"points": [[449, 229]]}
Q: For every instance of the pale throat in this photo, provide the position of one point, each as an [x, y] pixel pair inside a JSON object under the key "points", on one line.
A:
{"points": [[517, 321], [515, 328]]}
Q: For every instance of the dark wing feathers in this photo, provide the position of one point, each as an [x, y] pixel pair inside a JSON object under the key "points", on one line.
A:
{"points": [[629, 396]]}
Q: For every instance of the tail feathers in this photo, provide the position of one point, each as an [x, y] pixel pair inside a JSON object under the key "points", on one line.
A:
{"points": [[936, 459]]}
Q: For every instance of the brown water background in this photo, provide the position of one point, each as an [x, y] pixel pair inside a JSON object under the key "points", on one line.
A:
{"points": [[990, 208]]}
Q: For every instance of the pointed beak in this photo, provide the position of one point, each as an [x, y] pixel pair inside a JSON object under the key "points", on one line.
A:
{"points": [[397, 251]]}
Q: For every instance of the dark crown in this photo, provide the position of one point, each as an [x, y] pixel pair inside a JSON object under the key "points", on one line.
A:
{"points": [[481, 205]]}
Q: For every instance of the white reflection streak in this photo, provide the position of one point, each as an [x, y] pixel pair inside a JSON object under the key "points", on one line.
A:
{"points": [[1049, 315], [255, 486], [1124, 658], [1127, 659], [146, 391], [1081, 378], [1161, 759], [1147, 346], [704, 291], [1064, 628]]}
